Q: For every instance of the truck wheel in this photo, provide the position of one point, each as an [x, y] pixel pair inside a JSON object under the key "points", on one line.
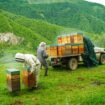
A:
{"points": [[102, 59], [73, 63]]}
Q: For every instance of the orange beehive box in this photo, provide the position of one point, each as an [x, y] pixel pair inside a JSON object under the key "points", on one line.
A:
{"points": [[72, 38], [53, 51], [59, 40], [68, 39], [64, 39], [78, 38], [48, 50], [67, 49], [81, 48], [75, 39], [61, 50], [27, 79], [13, 80], [75, 49]]}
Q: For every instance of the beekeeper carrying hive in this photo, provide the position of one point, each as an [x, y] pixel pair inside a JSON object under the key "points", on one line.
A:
{"points": [[42, 55], [31, 62]]}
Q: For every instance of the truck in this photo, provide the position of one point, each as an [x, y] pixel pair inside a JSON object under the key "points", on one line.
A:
{"points": [[68, 51]]}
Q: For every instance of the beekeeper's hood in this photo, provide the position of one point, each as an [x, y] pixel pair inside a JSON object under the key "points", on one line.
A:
{"points": [[19, 57], [42, 45]]}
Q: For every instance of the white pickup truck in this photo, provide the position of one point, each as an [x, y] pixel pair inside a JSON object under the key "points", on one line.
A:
{"points": [[100, 54]]}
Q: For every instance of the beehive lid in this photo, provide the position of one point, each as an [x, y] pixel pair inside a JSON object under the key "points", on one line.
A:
{"points": [[63, 35], [47, 45], [54, 45], [80, 33], [75, 44], [13, 71], [59, 36], [61, 44]]}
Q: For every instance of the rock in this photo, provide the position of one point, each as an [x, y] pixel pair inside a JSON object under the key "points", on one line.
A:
{"points": [[10, 38]]}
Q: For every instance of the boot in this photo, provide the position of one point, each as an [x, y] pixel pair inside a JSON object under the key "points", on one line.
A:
{"points": [[46, 72]]}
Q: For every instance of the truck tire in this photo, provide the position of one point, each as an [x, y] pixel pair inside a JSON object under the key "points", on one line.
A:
{"points": [[73, 64], [102, 59]]}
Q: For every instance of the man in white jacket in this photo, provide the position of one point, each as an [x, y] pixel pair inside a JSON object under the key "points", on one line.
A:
{"points": [[30, 61]]}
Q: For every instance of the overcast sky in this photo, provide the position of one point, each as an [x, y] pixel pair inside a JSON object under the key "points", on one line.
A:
{"points": [[97, 1]]}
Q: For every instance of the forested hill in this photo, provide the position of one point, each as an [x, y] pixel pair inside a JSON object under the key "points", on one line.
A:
{"points": [[33, 31], [77, 14]]}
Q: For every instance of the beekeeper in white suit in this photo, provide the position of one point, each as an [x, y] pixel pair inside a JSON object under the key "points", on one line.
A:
{"points": [[32, 62]]}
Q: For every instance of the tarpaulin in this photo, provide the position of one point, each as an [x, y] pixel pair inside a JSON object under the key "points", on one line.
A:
{"points": [[89, 56]]}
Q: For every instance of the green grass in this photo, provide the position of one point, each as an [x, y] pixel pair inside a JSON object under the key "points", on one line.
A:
{"points": [[61, 87]]}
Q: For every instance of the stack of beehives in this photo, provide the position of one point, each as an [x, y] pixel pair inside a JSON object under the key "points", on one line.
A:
{"points": [[67, 45]]}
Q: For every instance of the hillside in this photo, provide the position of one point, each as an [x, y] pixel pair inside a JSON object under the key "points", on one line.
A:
{"points": [[84, 17], [79, 14], [34, 31], [8, 25], [49, 1]]}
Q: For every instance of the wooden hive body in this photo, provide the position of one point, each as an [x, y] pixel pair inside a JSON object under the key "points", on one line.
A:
{"points": [[13, 80], [28, 80]]}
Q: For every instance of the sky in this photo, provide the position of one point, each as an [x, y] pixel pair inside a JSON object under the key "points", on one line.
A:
{"points": [[98, 1]]}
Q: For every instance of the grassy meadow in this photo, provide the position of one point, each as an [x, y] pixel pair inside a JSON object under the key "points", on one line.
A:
{"points": [[83, 86], [44, 22]]}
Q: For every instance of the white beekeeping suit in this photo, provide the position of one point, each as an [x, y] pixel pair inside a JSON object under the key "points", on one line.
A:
{"points": [[31, 61]]}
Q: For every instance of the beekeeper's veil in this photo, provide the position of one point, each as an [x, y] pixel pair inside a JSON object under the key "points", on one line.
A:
{"points": [[42, 45], [19, 57]]}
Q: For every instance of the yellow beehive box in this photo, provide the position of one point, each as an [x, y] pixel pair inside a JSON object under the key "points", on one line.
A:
{"points": [[61, 50], [78, 38], [53, 51], [64, 40], [13, 80], [67, 49], [72, 38], [68, 39], [28, 80], [59, 40], [48, 50], [75, 39], [81, 48], [75, 49]]}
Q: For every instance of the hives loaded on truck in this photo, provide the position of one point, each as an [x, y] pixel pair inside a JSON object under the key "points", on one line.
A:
{"points": [[68, 51]]}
